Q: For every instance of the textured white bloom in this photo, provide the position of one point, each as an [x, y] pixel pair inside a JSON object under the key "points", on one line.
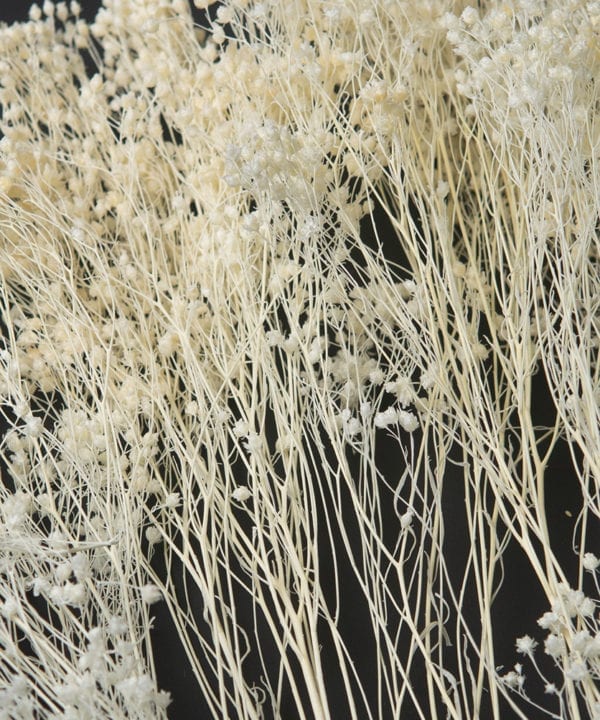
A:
{"points": [[377, 376], [117, 625], [33, 426], [386, 418], [469, 16], [428, 377], [15, 509], [241, 493], [408, 421], [406, 519], [10, 608], [577, 671], [35, 13], [153, 535], [587, 607], [549, 621], [526, 645], [191, 408], [137, 689], [403, 390], [514, 680], [240, 428], [253, 442], [554, 646], [274, 338], [172, 501], [150, 594], [580, 641], [168, 343], [353, 427]]}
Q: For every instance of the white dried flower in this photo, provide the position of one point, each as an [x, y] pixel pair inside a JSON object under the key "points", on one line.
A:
{"points": [[526, 645], [253, 442], [352, 427], [117, 625], [386, 418], [35, 13], [554, 646], [241, 494], [469, 16], [408, 421], [549, 621], [406, 519], [10, 608], [153, 535], [172, 501], [150, 594], [577, 671]]}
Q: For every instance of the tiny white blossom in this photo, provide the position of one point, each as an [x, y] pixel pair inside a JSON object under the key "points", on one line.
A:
{"points": [[554, 646], [241, 493], [172, 501], [592, 647], [408, 421], [167, 344], [549, 621], [514, 680], [587, 607], [469, 16], [274, 338], [33, 426], [253, 442], [406, 519], [240, 428], [62, 12], [526, 645], [291, 343], [365, 409], [191, 408], [153, 535], [376, 376], [386, 418], [442, 189], [116, 625], [428, 377], [150, 594], [403, 390], [590, 562], [577, 672], [10, 608], [353, 427], [581, 641], [137, 690]]}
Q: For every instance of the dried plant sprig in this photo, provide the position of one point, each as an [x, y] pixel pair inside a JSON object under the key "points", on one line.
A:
{"points": [[203, 358]]}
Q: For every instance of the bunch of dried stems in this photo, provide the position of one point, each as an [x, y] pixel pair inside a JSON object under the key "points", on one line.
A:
{"points": [[219, 395]]}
